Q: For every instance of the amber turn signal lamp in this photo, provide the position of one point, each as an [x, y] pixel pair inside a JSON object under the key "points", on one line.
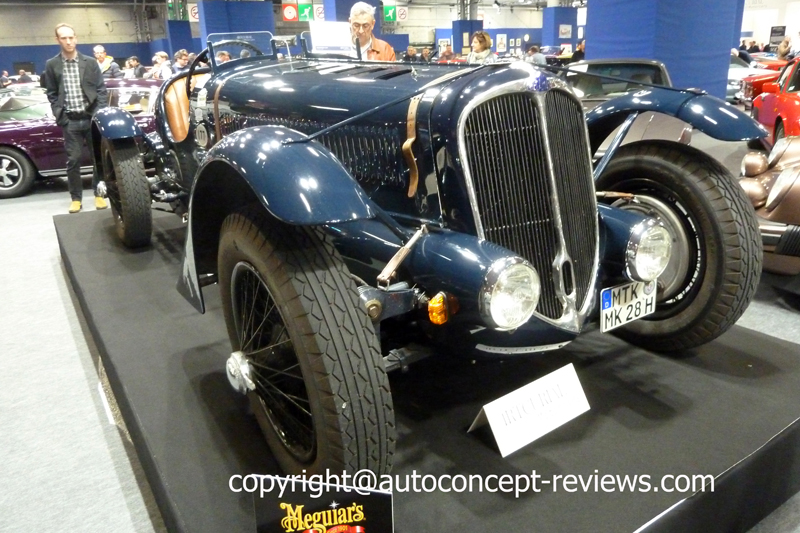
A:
{"points": [[441, 306]]}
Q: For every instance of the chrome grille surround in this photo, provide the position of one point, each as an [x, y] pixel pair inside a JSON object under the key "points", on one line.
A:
{"points": [[573, 312]]}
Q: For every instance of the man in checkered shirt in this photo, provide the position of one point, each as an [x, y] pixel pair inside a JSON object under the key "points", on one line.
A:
{"points": [[76, 90]]}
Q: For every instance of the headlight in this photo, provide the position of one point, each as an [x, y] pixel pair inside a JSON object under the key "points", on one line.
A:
{"points": [[648, 251], [510, 293]]}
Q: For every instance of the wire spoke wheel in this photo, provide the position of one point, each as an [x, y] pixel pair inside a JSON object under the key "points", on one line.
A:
{"points": [[316, 379], [279, 382]]}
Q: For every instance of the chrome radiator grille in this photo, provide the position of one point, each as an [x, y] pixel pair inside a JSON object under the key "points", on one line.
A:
{"points": [[521, 192], [565, 128]]}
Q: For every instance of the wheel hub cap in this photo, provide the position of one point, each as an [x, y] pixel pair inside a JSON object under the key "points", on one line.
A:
{"points": [[8, 169], [239, 373]]}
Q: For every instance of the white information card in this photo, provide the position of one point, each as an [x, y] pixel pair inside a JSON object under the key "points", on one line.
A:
{"points": [[522, 416]]}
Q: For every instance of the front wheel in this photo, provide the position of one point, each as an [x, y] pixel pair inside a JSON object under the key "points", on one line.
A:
{"points": [[316, 378], [128, 191], [716, 256]]}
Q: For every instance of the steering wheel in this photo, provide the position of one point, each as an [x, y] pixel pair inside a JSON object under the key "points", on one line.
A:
{"points": [[189, 73]]}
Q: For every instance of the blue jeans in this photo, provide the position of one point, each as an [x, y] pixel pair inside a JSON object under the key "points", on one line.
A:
{"points": [[76, 133]]}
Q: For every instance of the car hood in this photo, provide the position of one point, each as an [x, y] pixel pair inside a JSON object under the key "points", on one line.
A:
{"points": [[741, 73]]}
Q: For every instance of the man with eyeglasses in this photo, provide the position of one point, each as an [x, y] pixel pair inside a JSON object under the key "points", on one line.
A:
{"points": [[107, 65], [181, 62], [362, 20]]}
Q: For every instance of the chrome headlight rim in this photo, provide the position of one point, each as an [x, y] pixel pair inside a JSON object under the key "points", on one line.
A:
{"points": [[781, 186], [493, 276], [638, 233], [778, 149]]}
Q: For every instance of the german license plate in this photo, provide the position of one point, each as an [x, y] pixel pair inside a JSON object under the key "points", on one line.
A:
{"points": [[626, 303]]}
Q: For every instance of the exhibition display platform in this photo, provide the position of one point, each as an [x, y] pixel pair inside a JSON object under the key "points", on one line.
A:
{"points": [[729, 409]]}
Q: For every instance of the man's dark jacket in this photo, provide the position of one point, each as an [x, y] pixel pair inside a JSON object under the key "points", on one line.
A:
{"points": [[92, 84]]}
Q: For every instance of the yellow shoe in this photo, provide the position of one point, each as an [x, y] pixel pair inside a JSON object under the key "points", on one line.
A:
{"points": [[75, 206], [99, 203]]}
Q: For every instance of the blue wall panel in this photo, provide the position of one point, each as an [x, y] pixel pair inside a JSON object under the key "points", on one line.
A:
{"points": [[38, 55], [213, 18], [179, 34], [460, 27], [398, 41], [534, 37], [226, 17], [692, 38], [159, 45], [737, 24], [554, 17], [250, 16], [608, 35], [706, 62]]}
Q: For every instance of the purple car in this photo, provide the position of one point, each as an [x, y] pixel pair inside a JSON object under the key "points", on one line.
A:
{"points": [[31, 144]]}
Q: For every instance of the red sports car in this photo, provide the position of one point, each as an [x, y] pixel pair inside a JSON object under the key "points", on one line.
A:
{"points": [[770, 62], [753, 86], [778, 106]]}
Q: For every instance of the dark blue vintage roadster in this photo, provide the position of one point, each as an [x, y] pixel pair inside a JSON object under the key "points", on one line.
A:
{"points": [[359, 215]]}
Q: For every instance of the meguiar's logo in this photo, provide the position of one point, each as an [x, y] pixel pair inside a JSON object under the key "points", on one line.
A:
{"points": [[335, 520]]}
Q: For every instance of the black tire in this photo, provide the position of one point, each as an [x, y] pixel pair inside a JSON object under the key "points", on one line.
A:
{"points": [[715, 228], [755, 144], [318, 338], [780, 132], [17, 173], [128, 191]]}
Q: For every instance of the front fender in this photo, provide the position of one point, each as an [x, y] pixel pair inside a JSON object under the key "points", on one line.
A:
{"points": [[301, 184], [704, 112], [115, 123]]}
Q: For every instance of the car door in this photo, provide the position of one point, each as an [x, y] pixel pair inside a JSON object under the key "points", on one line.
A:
{"points": [[770, 101], [788, 100]]}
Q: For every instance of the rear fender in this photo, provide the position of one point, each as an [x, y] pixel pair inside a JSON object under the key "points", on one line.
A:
{"points": [[704, 112], [114, 123]]}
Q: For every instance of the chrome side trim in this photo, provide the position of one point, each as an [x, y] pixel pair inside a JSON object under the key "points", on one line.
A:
{"points": [[63, 172], [521, 349]]}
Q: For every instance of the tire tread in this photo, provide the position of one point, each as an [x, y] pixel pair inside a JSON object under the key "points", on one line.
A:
{"points": [[339, 330]]}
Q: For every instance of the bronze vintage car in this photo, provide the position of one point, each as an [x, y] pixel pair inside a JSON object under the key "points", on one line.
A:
{"points": [[772, 182]]}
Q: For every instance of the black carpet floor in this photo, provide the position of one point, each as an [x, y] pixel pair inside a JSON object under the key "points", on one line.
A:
{"points": [[728, 409]]}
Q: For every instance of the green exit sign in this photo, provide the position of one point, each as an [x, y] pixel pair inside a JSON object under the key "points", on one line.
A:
{"points": [[305, 12], [390, 13]]}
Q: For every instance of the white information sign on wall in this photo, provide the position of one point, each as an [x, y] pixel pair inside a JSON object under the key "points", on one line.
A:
{"points": [[522, 416], [194, 12]]}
